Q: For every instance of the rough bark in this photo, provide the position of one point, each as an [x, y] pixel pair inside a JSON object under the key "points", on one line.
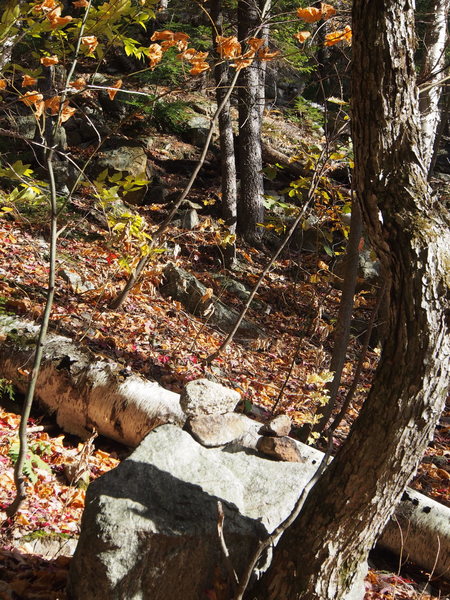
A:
{"points": [[250, 206], [357, 494], [83, 391]]}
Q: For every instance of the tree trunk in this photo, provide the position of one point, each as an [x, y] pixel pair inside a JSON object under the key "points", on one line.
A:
{"points": [[358, 492], [226, 137], [83, 392], [432, 73], [250, 207]]}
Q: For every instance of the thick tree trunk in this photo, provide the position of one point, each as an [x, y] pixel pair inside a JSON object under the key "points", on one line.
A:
{"points": [[250, 207], [357, 494]]}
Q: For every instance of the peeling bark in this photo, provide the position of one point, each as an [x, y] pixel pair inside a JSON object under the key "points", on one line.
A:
{"points": [[83, 391]]}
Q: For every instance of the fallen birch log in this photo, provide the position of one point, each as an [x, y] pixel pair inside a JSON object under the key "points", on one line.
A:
{"points": [[82, 391], [86, 393]]}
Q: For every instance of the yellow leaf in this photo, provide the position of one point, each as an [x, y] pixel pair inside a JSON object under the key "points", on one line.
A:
{"points": [[338, 36], [309, 14], [3, 84]]}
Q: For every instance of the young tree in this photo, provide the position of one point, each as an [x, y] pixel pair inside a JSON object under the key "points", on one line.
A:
{"points": [[251, 15], [323, 555], [227, 156]]}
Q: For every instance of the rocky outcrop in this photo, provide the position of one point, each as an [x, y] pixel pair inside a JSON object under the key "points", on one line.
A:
{"points": [[195, 297], [163, 501]]}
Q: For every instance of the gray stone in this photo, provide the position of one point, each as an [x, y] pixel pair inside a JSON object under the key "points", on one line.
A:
{"points": [[281, 448], [197, 128], [184, 287], [279, 426], [189, 219], [75, 281], [217, 430], [129, 159], [149, 528], [203, 397]]}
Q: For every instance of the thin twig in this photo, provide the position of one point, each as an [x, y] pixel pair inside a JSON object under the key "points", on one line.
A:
{"points": [[223, 545], [359, 366]]}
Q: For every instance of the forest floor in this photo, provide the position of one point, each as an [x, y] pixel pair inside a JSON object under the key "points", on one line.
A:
{"points": [[157, 338]]}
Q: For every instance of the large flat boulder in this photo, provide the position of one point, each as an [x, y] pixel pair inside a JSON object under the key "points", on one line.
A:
{"points": [[149, 529]]}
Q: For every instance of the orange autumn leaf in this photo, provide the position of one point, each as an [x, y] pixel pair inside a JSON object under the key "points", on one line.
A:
{"points": [[155, 54], [116, 86], [79, 83], [309, 14], [255, 43], [90, 42], [228, 47], [266, 54], [188, 54], [244, 61], [54, 16], [31, 98], [198, 67], [52, 104], [59, 21], [80, 3], [327, 10], [47, 61], [162, 35], [28, 81], [166, 44], [302, 36], [46, 6], [338, 36], [39, 109], [66, 112], [3, 84], [181, 40]]}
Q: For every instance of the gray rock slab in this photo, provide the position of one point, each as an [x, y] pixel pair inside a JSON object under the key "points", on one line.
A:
{"points": [[184, 287], [203, 397], [149, 529]]}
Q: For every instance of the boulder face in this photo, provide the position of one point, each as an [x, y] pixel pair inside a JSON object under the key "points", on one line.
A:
{"points": [[149, 529]]}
